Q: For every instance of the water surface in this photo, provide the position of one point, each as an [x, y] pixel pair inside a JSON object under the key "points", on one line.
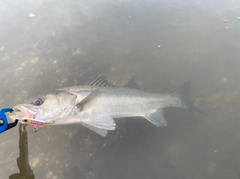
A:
{"points": [[48, 44]]}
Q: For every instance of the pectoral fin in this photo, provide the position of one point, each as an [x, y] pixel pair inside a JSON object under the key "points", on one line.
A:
{"points": [[100, 124], [156, 117], [87, 100]]}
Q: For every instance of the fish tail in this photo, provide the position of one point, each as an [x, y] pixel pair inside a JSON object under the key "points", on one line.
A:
{"points": [[183, 92]]}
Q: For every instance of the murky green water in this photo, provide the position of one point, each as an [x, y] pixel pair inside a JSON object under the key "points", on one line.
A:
{"points": [[47, 44]]}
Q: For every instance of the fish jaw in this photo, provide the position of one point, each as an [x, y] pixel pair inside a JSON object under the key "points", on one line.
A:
{"points": [[22, 112], [27, 115], [25, 112]]}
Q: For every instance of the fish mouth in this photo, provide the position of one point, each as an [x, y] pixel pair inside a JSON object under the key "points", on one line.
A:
{"points": [[28, 116], [22, 112]]}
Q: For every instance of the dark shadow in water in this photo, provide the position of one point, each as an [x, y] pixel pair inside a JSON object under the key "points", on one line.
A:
{"points": [[25, 170]]}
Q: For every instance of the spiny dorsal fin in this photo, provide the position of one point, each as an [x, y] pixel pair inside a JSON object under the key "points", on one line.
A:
{"points": [[99, 81], [132, 84]]}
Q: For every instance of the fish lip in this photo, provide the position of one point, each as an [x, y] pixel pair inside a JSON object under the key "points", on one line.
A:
{"points": [[26, 111]]}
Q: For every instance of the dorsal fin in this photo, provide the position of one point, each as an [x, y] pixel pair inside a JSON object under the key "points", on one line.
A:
{"points": [[99, 81], [132, 84]]}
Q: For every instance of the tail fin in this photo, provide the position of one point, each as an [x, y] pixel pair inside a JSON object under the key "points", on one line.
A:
{"points": [[183, 93]]}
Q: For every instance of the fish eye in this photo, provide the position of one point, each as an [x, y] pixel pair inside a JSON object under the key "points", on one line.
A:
{"points": [[38, 101]]}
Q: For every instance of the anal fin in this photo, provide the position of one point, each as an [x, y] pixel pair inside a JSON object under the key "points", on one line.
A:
{"points": [[156, 117], [101, 132]]}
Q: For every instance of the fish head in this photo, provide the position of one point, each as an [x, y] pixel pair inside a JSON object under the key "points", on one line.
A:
{"points": [[45, 109]]}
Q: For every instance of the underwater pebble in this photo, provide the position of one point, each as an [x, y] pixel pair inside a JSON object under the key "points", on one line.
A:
{"points": [[19, 69], [53, 33], [2, 48], [113, 68], [238, 18], [225, 20], [64, 80], [35, 162], [55, 61], [23, 64], [90, 175], [6, 57], [224, 79], [159, 46], [77, 52], [34, 60], [32, 15], [49, 174]]}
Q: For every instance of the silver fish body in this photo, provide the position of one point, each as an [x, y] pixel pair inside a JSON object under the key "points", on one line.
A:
{"points": [[96, 103], [124, 102]]}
